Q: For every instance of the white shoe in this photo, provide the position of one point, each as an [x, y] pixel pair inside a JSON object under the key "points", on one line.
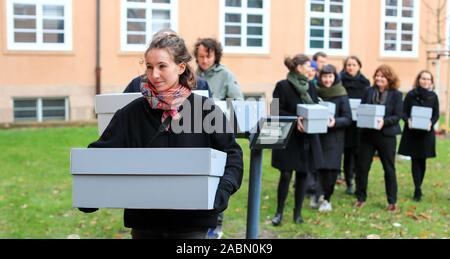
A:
{"points": [[313, 203], [325, 207]]}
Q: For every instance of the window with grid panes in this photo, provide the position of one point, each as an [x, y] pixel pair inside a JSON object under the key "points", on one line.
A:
{"points": [[245, 26], [39, 25], [400, 23], [141, 19], [327, 26]]}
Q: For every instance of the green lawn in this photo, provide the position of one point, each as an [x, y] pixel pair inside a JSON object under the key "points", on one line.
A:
{"points": [[35, 197]]}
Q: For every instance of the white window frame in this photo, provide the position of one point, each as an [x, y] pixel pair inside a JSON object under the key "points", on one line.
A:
{"points": [[327, 15], [244, 11], [415, 20], [39, 45], [40, 107], [148, 6]]}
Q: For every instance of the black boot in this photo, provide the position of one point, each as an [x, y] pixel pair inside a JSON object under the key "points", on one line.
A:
{"points": [[417, 195], [276, 221], [298, 218]]}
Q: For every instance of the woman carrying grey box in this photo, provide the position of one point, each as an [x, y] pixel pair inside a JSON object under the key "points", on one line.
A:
{"points": [[420, 144], [153, 121], [383, 139], [330, 89]]}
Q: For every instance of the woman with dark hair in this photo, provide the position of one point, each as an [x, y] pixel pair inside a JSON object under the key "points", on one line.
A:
{"points": [[302, 153], [146, 123], [330, 89], [356, 85], [383, 139], [420, 144]]}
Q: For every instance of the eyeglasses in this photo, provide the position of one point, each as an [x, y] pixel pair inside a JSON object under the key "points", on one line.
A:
{"points": [[426, 79]]}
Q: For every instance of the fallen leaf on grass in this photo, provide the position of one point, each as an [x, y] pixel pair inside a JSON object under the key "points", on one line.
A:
{"points": [[412, 215], [425, 216]]}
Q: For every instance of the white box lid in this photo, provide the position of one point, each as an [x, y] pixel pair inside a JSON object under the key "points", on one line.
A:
{"points": [[354, 103], [423, 112], [147, 161], [313, 111], [110, 103], [371, 110], [331, 107]]}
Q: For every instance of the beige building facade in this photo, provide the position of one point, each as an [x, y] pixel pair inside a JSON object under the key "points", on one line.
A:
{"points": [[50, 50]]}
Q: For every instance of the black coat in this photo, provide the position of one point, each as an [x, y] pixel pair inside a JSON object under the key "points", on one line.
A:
{"points": [[333, 142], [133, 127], [394, 111], [419, 143], [303, 152], [135, 85], [356, 87]]}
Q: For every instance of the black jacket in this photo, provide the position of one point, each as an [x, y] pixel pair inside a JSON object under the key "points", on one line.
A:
{"points": [[333, 142], [133, 127], [419, 143], [135, 85], [394, 111], [356, 87], [303, 152]]}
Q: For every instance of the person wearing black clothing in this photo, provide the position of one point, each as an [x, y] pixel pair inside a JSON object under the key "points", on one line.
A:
{"points": [[330, 89], [302, 153], [356, 85], [383, 140], [420, 144], [148, 122], [135, 85]]}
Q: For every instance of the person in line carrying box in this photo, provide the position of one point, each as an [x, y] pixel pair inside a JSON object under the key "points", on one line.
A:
{"points": [[148, 122], [356, 85], [383, 140], [303, 152], [420, 144], [330, 89]]}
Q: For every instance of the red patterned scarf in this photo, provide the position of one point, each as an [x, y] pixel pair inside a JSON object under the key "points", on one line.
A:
{"points": [[169, 101]]}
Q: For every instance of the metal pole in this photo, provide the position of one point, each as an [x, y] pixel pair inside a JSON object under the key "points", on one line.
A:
{"points": [[447, 104], [98, 69], [254, 194]]}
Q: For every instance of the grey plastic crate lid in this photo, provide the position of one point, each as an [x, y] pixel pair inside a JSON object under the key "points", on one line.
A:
{"points": [[151, 161], [313, 111]]}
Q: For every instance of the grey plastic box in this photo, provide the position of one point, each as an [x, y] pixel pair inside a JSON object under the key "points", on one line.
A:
{"points": [[369, 115], [372, 110], [315, 118], [248, 114], [421, 117], [146, 178], [312, 111], [354, 104], [106, 105], [331, 108], [368, 122]]}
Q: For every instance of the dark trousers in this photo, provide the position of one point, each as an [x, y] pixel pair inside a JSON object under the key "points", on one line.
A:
{"points": [[164, 233], [386, 148], [350, 158], [419, 167], [327, 179], [283, 190]]}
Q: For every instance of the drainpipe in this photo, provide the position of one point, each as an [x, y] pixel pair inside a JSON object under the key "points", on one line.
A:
{"points": [[98, 68]]}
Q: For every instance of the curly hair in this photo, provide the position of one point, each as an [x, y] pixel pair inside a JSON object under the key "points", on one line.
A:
{"points": [[391, 76], [211, 45]]}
